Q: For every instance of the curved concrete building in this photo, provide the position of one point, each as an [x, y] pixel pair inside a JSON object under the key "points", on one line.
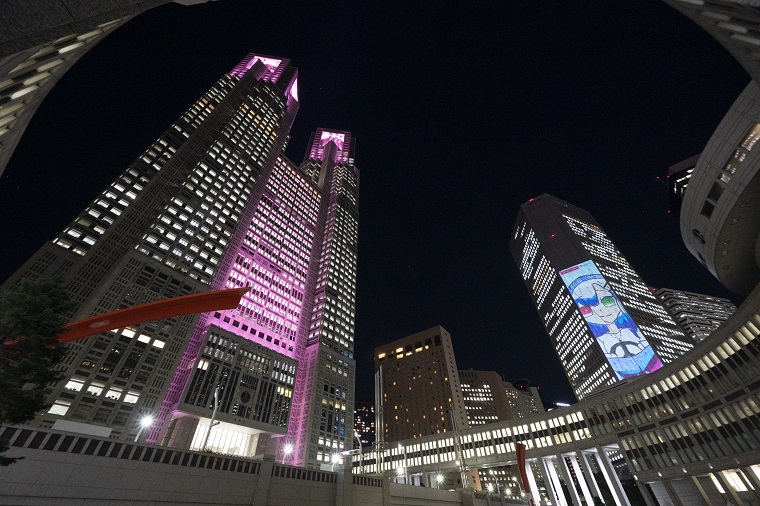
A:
{"points": [[720, 214], [733, 23], [39, 42]]}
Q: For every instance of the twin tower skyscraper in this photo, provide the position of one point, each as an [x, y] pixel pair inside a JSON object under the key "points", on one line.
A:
{"points": [[214, 203]]}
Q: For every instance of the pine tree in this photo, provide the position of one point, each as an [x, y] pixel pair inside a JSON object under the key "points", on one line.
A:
{"points": [[31, 317]]}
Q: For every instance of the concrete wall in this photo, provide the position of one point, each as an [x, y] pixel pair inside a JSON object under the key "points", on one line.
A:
{"points": [[74, 469]]}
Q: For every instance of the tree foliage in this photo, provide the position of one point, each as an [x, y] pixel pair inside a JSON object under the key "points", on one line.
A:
{"points": [[31, 317]]}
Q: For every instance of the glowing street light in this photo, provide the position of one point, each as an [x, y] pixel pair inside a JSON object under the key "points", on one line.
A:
{"points": [[402, 469], [439, 479], [490, 488], [287, 451], [335, 459], [145, 422]]}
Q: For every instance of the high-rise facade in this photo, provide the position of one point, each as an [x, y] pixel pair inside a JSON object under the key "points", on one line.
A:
{"points": [[524, 398], [417, 387], [604, 322], [485, 397], [213, 203], [489, 399], [678, 180], [697, 314], [364, 423]]}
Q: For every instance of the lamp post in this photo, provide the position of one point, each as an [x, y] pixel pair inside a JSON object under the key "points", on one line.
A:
{"points": [[213, 419], [145, 422], [361, 450], [287, 450], [439, 480], [403, 468]]}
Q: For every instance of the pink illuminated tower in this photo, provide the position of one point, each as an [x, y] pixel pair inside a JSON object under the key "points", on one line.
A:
{"points": [[214, 203]]}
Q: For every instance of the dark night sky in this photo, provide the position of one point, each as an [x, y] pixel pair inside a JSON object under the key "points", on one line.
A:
{"points": [[461, 114]]}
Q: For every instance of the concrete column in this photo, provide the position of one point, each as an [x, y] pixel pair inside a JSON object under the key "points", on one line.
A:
{"points": [[532, 482], [344, 486], [565, 472], [261, 496], [752, 478], [386, 492], [729, 489], [701, 489], [184, 430], [646, 494], [589, 474], [552, 482], [672, 495], [580, 475], [610, 476]]}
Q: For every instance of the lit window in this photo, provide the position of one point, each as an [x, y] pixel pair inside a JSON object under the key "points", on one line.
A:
{"points": [[114, 393], [95, 388], [74, 384], [59, 408]]}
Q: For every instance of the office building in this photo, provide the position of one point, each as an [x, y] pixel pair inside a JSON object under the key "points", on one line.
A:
{"points": [[720, 215], [364, 423], [213, 203], [485, 397], [418, 386], [604, 322], [525, 398], [677, 181], [698, 315]]}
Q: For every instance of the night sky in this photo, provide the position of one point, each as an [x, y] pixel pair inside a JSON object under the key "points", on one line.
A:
{"points": [[461, 114]]}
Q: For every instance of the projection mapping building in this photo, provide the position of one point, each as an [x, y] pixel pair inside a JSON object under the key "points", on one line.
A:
{"points": [[603, 320]]}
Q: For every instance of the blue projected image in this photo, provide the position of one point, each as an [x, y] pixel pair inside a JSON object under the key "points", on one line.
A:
{"points": [[626, 349]]}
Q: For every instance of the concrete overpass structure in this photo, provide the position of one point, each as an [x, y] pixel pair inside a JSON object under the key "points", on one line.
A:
{"points": [[690, 432]]}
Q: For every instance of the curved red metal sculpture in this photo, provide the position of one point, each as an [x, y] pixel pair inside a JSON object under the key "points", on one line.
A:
{"points": [[157, 310]]}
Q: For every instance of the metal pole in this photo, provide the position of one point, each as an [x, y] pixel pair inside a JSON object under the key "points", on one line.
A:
{"points": [[213, 419], [361, 448], [379, 424]]}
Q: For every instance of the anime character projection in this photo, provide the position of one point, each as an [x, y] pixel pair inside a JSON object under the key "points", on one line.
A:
{"points": [[626, 349]]}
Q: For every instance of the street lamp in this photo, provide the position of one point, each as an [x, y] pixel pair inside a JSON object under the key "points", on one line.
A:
{"points": [[490, 488], [145, 422], [214, 421], [402, 470], [335, 459], [286, 452], [439, 479]]}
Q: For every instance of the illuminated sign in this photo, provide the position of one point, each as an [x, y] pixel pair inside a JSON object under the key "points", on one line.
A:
{"points": [[626, 349]]}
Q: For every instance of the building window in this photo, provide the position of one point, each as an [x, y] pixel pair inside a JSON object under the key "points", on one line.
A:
{"points": [[59, 408], [707, 209]]}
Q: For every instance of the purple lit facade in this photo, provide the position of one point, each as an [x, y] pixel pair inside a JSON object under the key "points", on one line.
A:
{"points": [[211, 204]]}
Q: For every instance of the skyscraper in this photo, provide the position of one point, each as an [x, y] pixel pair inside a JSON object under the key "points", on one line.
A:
{"points": [[678, 180], [489, 399], [213, 203], [417, 387], [524, 398], [364, 423], [697, 314], [604, 322]]}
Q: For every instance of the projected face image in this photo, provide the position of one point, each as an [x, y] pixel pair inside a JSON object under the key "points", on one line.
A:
{"points": [[605, 311], [626, 349]]}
